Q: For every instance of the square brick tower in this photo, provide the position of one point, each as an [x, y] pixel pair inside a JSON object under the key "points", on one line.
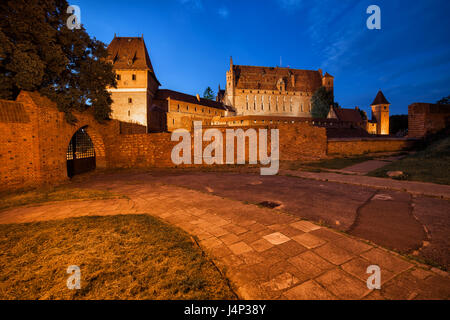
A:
{"points": [[380, 113], [136, 80]]}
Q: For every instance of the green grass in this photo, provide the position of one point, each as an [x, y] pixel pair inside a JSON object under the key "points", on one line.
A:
{"points": [[429, 165], [9, 200], [120, 257]]}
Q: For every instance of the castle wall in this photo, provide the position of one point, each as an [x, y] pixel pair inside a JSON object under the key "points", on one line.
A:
{"points": [[427, 118], [295, 104], [181, 114], [358, 146], [33, 153], [34, 142]]}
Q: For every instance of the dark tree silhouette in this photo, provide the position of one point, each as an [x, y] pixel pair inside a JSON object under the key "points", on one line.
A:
{"points": [[321, 101], [38, 52], [445, 100], [208, 94]]}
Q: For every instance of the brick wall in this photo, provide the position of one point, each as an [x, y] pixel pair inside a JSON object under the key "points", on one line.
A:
{"points": [[33, 152], [34, 137], [427, 118], [357, 146], [299, 141]]}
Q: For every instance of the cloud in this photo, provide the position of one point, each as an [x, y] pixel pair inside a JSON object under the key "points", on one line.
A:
{"points": [[223, 12]]}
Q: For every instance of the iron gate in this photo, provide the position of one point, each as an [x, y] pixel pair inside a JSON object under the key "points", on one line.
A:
{"points": [[80, 154]]}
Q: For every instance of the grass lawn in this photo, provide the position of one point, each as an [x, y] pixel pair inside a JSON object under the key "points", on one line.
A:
{"points": [[120, 257], [429, 165], [9, 200]]}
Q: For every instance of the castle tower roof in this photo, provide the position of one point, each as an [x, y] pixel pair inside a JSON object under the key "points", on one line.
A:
{"points": [[380, 99], [327, 75], [130, 53]]}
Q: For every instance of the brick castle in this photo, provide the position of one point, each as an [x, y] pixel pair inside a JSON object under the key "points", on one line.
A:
{"points": [[253, 95]]}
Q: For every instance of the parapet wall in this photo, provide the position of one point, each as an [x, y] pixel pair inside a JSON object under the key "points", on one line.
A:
{"points": [[358, 146]]}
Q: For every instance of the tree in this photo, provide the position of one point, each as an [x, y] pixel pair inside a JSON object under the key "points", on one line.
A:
{"points": [[398, 123], [321, 101], [209, 94], [445, 100], [363, 114], [39, 53]]}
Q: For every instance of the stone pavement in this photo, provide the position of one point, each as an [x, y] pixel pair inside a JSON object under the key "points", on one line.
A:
{"points": [[266, 254]]}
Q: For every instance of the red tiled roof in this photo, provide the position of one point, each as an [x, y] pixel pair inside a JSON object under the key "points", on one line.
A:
{"points": [[266, 78], [380, 99], [352, 115], [163, 94]]}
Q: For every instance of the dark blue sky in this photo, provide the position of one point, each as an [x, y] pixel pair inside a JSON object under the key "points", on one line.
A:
{"points": [[190, 42]]}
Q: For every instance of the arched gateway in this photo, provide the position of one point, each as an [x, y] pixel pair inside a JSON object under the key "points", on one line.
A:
{"points": [[80, 153]]}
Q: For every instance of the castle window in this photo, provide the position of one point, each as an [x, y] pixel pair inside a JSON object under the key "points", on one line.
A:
{"points": [[301, 106], [130, 100], [128, 112], [195, 108], [178, 108], [118, 76], [133, 77], [187, 108]]}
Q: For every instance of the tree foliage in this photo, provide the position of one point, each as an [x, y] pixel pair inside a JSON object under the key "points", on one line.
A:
{"points": [[39, 53], [445, 100], [208, 94], [321, 101], [398, 123]]}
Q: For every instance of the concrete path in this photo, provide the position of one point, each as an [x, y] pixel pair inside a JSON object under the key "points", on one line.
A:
{"points": [[412, 187], [266, 253], [364, 167]]}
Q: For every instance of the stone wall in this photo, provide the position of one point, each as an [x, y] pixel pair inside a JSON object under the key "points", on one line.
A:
{"points": [[358, 146]]}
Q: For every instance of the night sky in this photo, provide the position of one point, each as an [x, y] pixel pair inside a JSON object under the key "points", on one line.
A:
{"points": [[190, 42]]}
